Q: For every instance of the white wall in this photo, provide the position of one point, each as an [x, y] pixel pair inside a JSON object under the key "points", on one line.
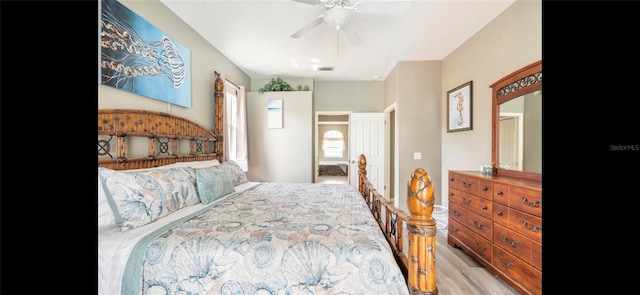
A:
{"points": [[283, 154]]}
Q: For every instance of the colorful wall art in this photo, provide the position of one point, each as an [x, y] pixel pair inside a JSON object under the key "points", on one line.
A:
{"points": [[137, 57]]}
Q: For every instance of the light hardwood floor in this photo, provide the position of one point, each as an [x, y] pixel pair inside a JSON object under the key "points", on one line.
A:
{"points": [[332, 179], [459, 274], [456, 272]]}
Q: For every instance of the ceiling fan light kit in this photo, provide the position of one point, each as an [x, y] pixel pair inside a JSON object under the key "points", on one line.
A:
{"points": [[337, 17]]}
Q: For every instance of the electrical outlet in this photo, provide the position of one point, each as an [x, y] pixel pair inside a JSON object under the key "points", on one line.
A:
{"points": [[417, 156]]}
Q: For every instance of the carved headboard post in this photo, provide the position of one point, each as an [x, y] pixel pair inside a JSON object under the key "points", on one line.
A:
{"points": [[219, 116], [362, 171], [422, 234]]}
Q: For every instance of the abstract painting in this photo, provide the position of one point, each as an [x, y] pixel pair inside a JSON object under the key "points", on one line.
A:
{"points": [[136, 56], [274, 113]]}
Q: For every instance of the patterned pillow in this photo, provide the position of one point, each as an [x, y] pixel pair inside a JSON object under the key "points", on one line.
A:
{"points": [[141, 197], [235, 172], [213, 183]]}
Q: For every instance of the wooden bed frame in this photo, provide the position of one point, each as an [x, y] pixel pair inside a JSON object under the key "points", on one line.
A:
{"points": [[164, 133]]}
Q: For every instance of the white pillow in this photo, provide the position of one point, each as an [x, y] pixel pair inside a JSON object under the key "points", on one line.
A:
{"points": [[105, 215], [197, 164], [141, 197]]}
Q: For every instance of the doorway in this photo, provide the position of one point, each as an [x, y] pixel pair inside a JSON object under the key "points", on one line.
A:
{"points": [[331, 146]]}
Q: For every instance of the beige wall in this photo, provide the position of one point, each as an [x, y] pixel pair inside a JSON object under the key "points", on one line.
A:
{"points": [[511, 41], [281, 154], [356, 96], [205, 59], [414, 87]]}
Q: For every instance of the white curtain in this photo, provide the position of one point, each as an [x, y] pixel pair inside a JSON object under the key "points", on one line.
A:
{"points": [[242, 155], [235, 124]]}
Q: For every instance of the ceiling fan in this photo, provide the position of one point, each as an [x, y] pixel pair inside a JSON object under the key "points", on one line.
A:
{"points": [[340, 12]]}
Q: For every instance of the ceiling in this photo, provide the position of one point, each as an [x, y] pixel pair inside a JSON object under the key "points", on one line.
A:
{"points": [[255, 35]]}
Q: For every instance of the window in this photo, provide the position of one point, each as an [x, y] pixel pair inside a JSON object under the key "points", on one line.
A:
{"points": [[333, 144], [235, 129]]}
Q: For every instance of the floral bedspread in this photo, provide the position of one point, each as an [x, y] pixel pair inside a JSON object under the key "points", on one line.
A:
{"points": [[277, 238]]}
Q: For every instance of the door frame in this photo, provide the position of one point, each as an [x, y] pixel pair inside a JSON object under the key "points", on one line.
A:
{"points": [[389, 158]]}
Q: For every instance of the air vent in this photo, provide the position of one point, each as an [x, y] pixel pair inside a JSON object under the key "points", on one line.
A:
{"points": [[325, 68]]}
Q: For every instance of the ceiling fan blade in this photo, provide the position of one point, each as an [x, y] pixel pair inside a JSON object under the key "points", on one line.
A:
{"points": [[308, 27], [310, 2], [384, 6], [352, 35]]}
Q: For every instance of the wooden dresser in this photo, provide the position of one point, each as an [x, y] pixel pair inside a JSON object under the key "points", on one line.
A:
{"points": [[497, 220]]}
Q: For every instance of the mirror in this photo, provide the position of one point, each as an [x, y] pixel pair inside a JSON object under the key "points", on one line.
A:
{"points": [[517, 123]]}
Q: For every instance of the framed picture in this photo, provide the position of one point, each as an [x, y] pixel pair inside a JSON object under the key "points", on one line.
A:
{"points": [[137, 57], [274, 113], [459, 108]]}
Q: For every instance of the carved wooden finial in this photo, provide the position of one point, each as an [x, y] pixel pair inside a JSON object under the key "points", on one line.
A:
{"points": [[420, 199]]}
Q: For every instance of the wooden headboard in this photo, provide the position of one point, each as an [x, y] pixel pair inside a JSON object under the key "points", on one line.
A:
{"points": [[163, 132]]}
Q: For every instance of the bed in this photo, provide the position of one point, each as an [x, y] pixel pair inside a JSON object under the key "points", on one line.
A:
{"points": [[333, 168], [190, 223]]}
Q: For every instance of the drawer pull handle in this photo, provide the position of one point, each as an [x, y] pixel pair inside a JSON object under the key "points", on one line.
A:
{"points": [[536, 203], [452, 179], [512, 244], [508, 265], [534, 229], [480, 247], [466, 201], [455, 230], [484, 188], [500, 193], [477, 225], [466, 184], [456, 213], [484, 207], [498, 212]]}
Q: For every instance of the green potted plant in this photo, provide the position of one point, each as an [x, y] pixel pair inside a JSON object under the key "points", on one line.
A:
{"points": [[276, 84]]}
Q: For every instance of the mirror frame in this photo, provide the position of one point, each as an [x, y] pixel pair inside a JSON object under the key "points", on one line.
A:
{"points": [[525, 80]]}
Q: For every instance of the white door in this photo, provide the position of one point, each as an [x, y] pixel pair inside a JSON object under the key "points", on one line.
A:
{"points": [[366, 136], [510, 148]]}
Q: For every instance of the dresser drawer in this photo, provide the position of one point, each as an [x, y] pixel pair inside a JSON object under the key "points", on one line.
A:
{"points": [[458, 230], [536, 255], [512, 242], [521, 272], [465, 200], [472, 203], [501, 214], [480, 225], [526, 224], [457, 213], [480, 246], [526, 199], [472, 241], [483, 207], [485, 189], [501, 193], [464, 183]]}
